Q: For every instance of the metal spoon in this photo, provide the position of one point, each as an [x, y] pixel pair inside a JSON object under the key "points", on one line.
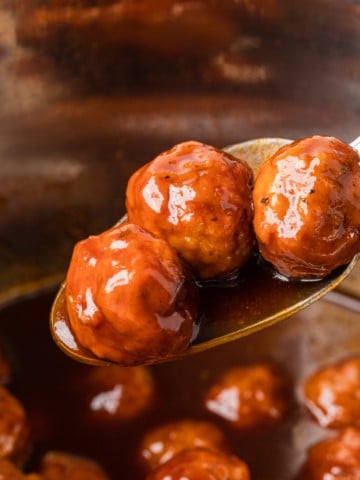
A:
{"points": [[258, 298]]}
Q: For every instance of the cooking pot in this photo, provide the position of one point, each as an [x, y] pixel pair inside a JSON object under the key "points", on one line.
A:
{"points": [[91, 90]]}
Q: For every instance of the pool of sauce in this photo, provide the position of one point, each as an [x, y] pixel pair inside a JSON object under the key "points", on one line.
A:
{"points": [[255, 295], [48, 384]]}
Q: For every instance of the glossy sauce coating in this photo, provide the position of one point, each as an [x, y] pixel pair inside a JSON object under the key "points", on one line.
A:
{"points": [[307, 207], [249, 397], [332, 394], [162, 443], [199, 199], [128, 296], [116, 394], [201, 464], [64, 466], [335, 458], [14, 430]]}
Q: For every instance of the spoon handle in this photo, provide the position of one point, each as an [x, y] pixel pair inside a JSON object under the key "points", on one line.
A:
{"points": [[356, 144], [345, 300]]}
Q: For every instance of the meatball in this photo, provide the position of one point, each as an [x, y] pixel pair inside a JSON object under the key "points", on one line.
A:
{"points": [[8, 471], [117, 393], [63, 466], [201, 464], [14, 430], [162, 443], [307, 207], [249, 396], [199, 199], [129, 298], [335, 458], [332, 394]]}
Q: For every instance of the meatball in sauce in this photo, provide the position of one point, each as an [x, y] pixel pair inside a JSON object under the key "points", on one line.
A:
{"points": [[64, 466], [8, 471], [332, 394], [14, 430], [198, 198], [129, 298], [162, 443], [117, 393], [249, 397], [201, 464], [335, 458], [307, 207]]}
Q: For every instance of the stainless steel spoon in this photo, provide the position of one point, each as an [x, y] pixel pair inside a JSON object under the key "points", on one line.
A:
{"points": [[258, 298]]}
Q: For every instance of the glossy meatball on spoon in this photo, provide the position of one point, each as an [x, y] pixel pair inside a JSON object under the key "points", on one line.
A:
{"points": [[258, 300]]}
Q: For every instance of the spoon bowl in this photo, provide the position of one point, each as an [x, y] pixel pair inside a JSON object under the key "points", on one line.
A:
{"points": [[256, 299]]}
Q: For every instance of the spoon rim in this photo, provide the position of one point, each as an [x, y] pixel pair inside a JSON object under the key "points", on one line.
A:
{"points": [[242, 331]]}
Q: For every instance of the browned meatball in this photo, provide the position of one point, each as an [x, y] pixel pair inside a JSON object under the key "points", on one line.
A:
{"points": [[129, 298], [14, 431], [117, 393], [307, 207], [332, 394], [335, 459], [162, 443], [201, 464], [63, 466], [199, 199], [249, 396], [8, 471]]}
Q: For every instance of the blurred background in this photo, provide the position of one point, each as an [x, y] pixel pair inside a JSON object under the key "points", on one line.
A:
{"points": [[92, 89]]}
